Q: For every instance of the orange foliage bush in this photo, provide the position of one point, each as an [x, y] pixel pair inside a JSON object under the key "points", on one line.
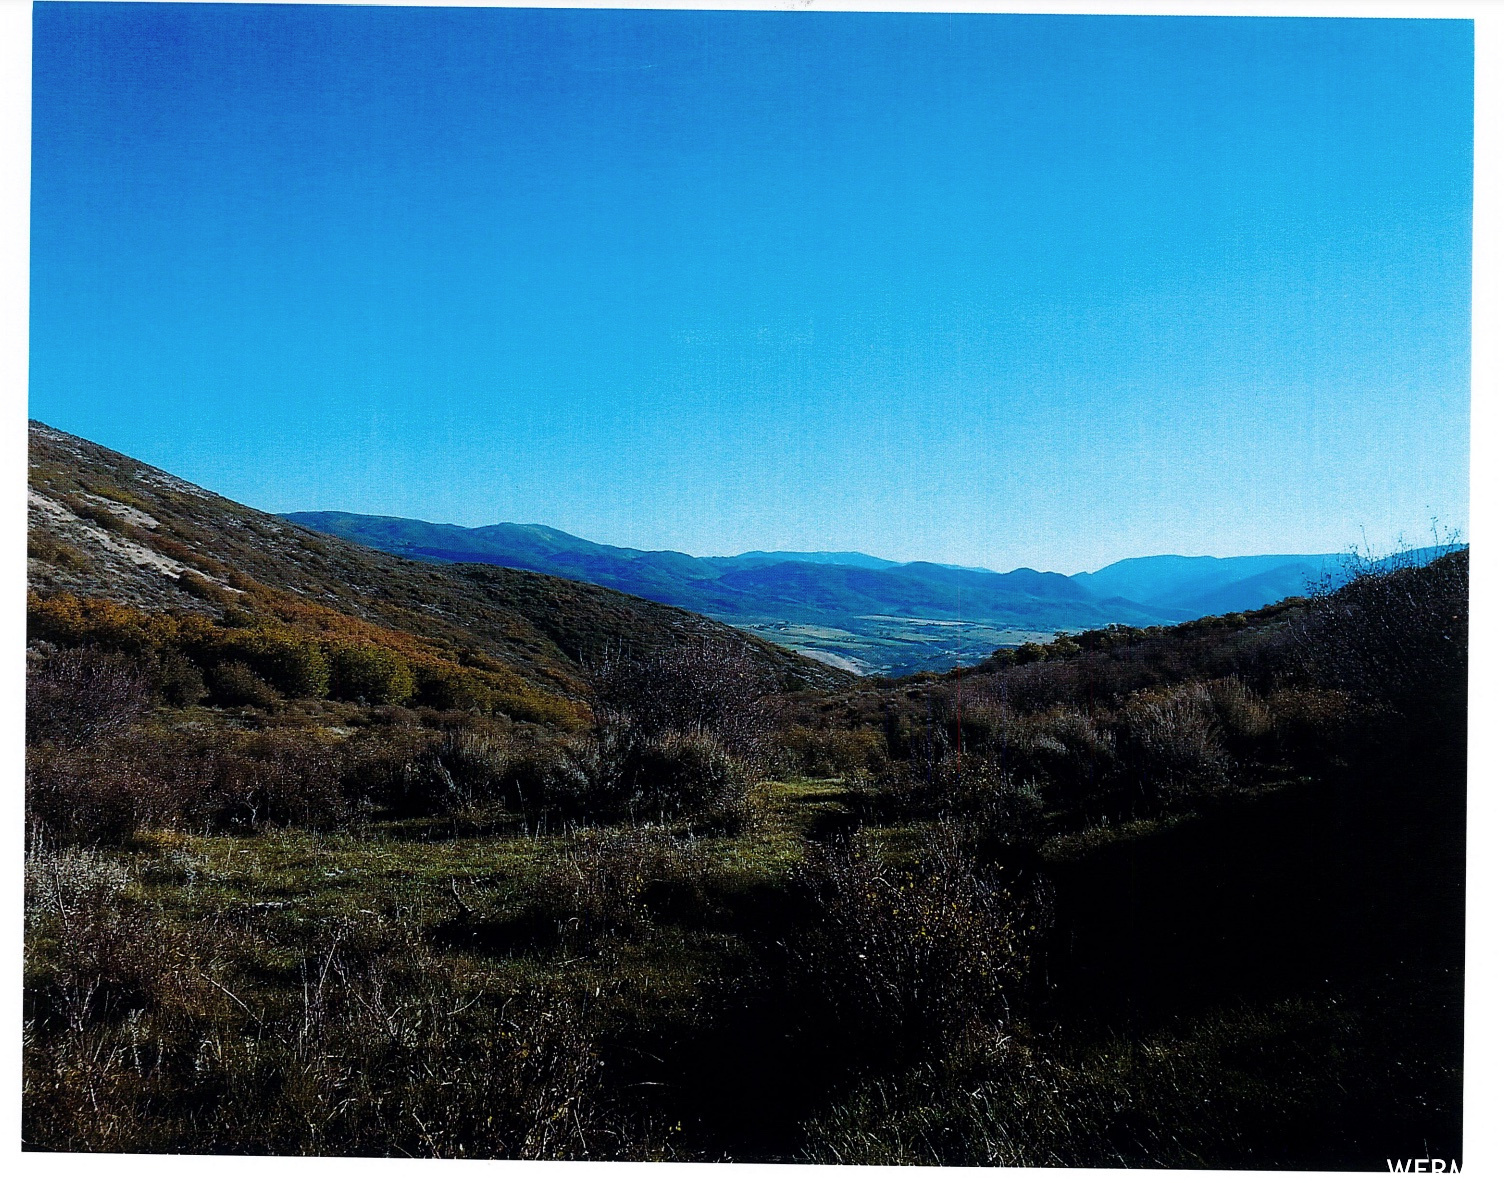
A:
{"points": [[300, 648]]}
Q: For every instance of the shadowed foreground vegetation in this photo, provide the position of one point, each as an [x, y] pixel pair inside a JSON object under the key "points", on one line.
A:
{"points": [[1189, 896]]}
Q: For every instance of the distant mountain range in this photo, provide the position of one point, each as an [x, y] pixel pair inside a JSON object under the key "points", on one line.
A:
{"points": [[542, 603], [857, 611]]}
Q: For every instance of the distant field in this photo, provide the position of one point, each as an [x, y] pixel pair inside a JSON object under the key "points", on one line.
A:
{"points": [[892, 645]]}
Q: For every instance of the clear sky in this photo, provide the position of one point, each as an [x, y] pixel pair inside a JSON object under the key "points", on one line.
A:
{"points": [[994, 290]]}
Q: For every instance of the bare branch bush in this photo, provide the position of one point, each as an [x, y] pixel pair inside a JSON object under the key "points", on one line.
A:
{"points": [[702, 685], [904, 959], [77, 696], [1394, 638]]}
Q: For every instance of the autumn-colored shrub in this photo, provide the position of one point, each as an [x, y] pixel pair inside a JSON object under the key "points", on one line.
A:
{"points": [[55, 551], [294, 664], [449, 688], [370, 674], [204, 588], [233, 683], [300, 651], [72, 621]]}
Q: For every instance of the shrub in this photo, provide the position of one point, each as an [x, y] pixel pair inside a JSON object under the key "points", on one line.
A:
{"points": [[465, 769], [76, 696], [1309, 724], [226, 780], [1010, 824], [301, 650], [107, 956], [459, 770], [1171, 744], [70, 879], [828, 752], [204, 588], [276, 778], [55, 551], [1071, 760], [142, 1037], [371, 674], [175, 679], [235, 684], [1039, 685], [451, 689], [609, 881], [294, 664], [560, 780], [899, 961], [617, 773], [678, 773], [90, 796], [1244, 718], [70, 621], [1395, 638], [709, 686]]}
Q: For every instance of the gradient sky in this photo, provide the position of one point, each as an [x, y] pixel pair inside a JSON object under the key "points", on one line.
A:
{"points": [[995, 290]]}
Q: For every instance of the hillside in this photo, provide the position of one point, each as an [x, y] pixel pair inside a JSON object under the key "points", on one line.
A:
{"points": [[104, 525], [872, 614]]}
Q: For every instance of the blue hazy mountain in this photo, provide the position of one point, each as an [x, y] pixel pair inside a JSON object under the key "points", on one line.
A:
{"points": [[829, 585], [833, 558], [1187, 587], [866, 613], [858, 610]]}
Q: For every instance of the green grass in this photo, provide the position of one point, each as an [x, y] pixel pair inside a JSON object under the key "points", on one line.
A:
{"points": [[291, 883], [309, 876]]}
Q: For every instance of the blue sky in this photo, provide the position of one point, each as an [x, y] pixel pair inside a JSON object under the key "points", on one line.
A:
{"points": [[995, 290]]}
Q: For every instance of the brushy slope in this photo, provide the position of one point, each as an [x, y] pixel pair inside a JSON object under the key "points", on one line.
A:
{"points": [[105, 525]]}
